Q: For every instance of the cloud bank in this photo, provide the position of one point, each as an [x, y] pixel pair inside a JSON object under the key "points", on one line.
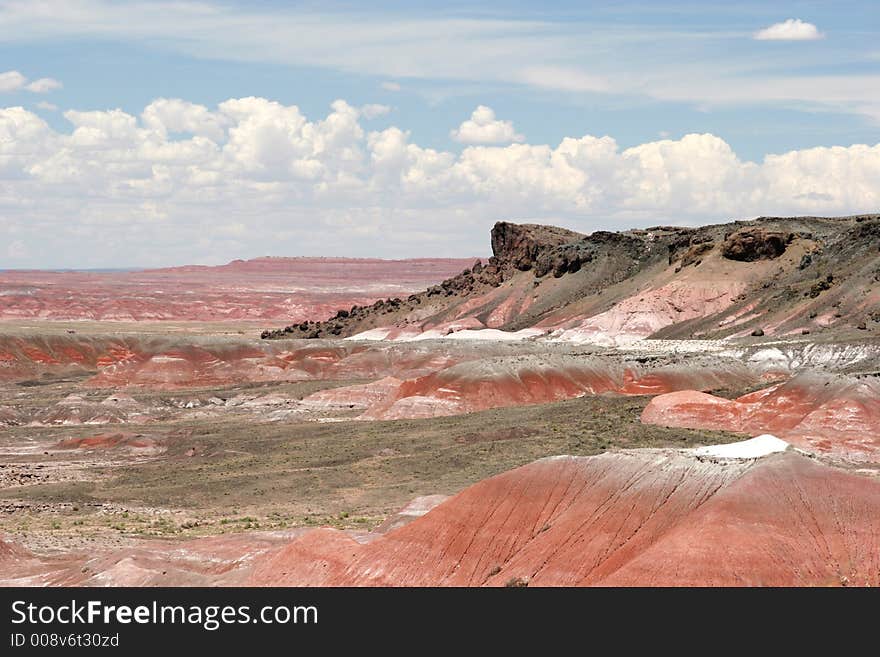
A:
{"points": [[186, 183]]}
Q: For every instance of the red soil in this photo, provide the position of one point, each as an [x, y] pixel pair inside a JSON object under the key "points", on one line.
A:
{"points": [[496, 383], [220, 560], [498, 306], [637, 518], [836, 416], [210, 365], [293, 289], [182, 362], [641, 517], [33, 356], [357, 396], [787, 522], [646, 313]]}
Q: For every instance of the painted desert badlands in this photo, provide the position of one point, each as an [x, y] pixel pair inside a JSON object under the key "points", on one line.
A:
{"points": [[661, 407]]}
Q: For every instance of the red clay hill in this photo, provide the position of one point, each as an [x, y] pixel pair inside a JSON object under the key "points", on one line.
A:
{"points": [[646, 517], [835, 415], [771, 517]]}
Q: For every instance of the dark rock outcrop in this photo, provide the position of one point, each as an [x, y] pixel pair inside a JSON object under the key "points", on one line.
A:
{"points": [[565, 259], [694, 254], [750, 244], [818, 288], [520, 245]]}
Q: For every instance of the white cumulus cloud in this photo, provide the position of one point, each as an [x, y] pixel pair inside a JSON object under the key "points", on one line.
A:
{"points": [[793, 29], [177, 116], [181, 182], [484, 128]]}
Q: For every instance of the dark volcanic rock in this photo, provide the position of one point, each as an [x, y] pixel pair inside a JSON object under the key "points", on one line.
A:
{"points": [[750, 244], [821, 286], [520, 244], [561, 260], [694, 253]]}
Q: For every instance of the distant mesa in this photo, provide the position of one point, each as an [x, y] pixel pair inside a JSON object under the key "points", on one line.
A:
{"points": [[242, 291]]}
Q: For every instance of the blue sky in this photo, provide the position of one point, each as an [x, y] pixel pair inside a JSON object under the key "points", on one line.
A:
{"points": [[100, 71], [638, 72]]}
